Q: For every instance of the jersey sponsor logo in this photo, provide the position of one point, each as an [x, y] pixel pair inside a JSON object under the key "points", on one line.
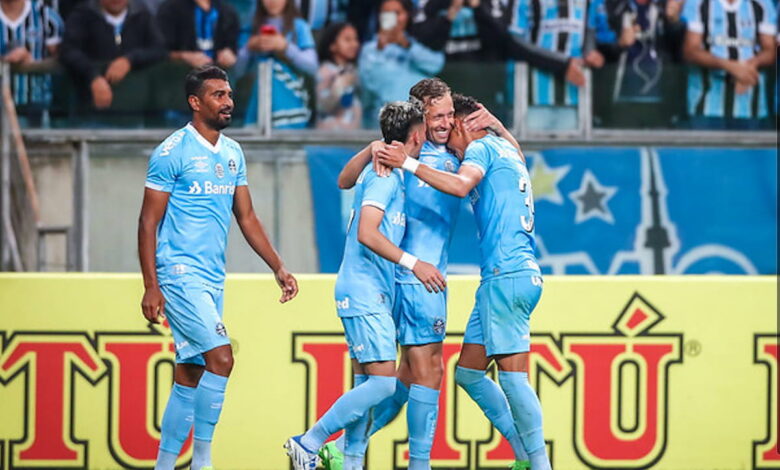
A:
{"points": [[195, 188], [219, 170], [213, 188], [726, 41], [591, 366], [398, 218], [170, 143], [342, 304]]}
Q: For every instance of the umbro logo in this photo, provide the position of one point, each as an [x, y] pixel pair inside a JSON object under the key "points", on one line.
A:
{"points": [[195, 188]]}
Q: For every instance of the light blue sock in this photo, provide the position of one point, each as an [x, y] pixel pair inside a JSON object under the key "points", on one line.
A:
{"points": [[421, 419], [527, 413], [356, 434], [209, 397], [176, 425], [493, 403], [389, 408], [165, 460], [353, 462], [349, 408]]}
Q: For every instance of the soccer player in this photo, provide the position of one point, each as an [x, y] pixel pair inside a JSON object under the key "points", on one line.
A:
{"points": [[494, 172], [365, 292], [195, 178], [420, 317]]}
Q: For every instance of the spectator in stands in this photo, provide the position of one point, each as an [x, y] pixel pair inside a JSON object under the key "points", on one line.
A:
{"points": [[113, 32], [199, 32], [30, 35], [284, 38], [728, 42], [393, 61], [643, 38], [565, 29], [338, 106]]}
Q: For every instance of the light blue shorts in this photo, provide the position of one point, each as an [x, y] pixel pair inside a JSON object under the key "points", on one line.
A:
{"points": [[194, 312], [370, 338], [501, 313], [420, 316]]}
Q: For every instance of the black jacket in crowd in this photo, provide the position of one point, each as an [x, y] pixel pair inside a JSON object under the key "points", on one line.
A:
{"points": [[176, 21], [89, 43]]}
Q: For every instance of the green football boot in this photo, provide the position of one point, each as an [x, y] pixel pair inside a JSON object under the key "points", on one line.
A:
{"points": [[332, 458], [520, 465]]}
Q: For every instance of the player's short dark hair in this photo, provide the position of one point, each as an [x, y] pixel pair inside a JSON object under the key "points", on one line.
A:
{"points": [[464, 105], [397, 119], [193, 82], [429, 89]]}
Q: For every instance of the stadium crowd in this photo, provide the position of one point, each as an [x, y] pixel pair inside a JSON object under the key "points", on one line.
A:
{"points": [[355, 55]]}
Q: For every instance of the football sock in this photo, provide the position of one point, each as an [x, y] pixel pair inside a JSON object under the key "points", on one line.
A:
{"points": [[349, 408], [176, 425], [209, 397], [493, 403], [527, 414], [353, 462], [389, 408], [355, 437], [421, 420]]}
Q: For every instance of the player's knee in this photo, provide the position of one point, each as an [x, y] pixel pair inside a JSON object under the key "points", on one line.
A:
{"points": [[382, 387], [221, 364], [467, 377], [428, 370]]}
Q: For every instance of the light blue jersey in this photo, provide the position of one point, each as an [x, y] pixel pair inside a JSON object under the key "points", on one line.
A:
{"points": [[430, 214], [503, 208], [201, 179], [366, 281]]}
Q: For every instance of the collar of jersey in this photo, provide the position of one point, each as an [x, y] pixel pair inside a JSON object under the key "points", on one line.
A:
{"points": [[15, 24], [730, 6], [202, 140]]}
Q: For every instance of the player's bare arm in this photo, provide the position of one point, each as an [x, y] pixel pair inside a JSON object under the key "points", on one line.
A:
{"points": [[370, 236], [351, 171], [256, 236], [458, 184], [152, 210], [484, 119]]}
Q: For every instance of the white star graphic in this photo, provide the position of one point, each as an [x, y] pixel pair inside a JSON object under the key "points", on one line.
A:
{"points": [[544, 180], [592, 199]]}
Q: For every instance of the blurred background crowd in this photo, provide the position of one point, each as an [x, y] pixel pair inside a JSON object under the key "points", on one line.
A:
{"points": [[702, 64]]}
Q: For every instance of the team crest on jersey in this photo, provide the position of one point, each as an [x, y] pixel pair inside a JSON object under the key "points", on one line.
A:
{"points": [[438, 326], [449, 166], [221, 330], [232, 167], [219, 170]]}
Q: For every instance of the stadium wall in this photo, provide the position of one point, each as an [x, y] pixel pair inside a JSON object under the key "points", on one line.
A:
{"points": [[668, 372], [604, 209]]}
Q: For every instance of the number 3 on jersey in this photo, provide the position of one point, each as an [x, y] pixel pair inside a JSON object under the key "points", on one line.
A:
{"points": [[525, 187]]}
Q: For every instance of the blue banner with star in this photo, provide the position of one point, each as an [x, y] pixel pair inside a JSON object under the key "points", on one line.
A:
{"points": [[612, 210]]}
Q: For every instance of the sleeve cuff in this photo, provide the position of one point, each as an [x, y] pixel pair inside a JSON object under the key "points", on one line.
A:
{"points": [[696, 27], [53, 41], [157, 187], [371, 203], [477, 166], [767, 28]]}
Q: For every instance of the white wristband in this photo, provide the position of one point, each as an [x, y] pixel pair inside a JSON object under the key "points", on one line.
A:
{"points": [[410, 165], [408, 261]]}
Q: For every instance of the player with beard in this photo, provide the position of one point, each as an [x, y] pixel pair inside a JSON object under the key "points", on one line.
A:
{"points": [[196, 177], [420, 316]]}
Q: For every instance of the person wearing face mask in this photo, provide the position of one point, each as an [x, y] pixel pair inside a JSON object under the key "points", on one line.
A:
{"points": [[284, 38], [118, 33], [393, 61], [338, 106]]}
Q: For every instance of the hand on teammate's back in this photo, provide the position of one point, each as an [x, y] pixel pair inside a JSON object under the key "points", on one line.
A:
{"points": [[481, 119], [153, 305], [431, 278], [288, 283]]}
